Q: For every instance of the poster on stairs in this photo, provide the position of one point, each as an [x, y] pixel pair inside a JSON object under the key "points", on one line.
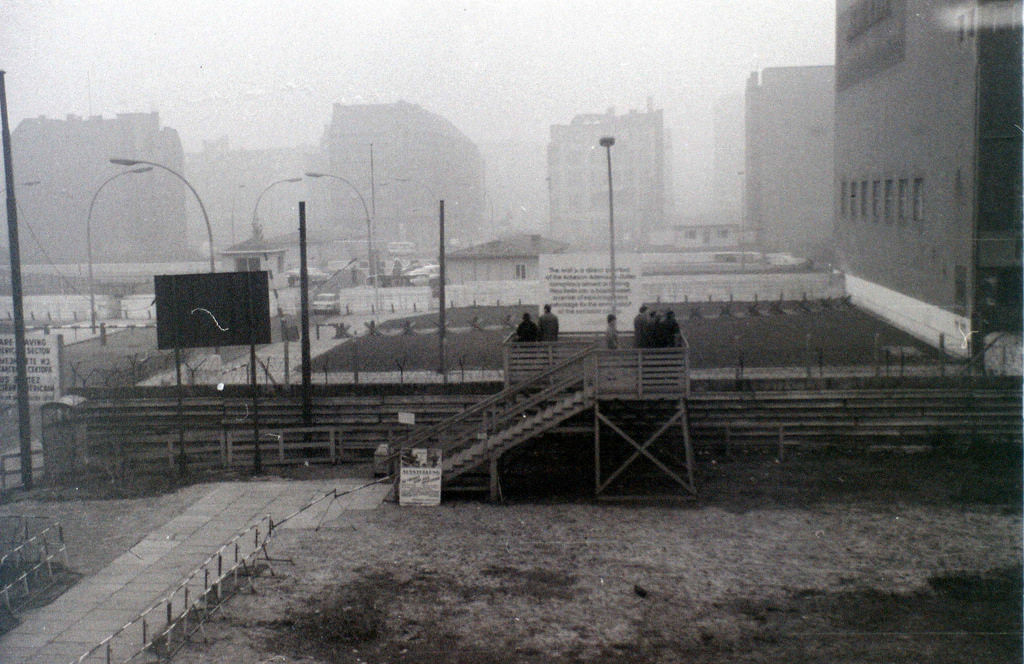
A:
{"points": [[419, 480]]}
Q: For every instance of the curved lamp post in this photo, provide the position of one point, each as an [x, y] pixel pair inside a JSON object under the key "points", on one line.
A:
{"points": [[607, 142], [202, 208], [88, 239], [371, 268], [255, 208]]}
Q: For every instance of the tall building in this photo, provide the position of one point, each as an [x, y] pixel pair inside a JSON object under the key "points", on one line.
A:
{"points": [[232, 181], [578, 178], [402, 160], [928, 164], [788, 162], [135, 218]]}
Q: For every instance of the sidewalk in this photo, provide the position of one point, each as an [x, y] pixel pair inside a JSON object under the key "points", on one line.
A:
{"points": [[103, 603]]}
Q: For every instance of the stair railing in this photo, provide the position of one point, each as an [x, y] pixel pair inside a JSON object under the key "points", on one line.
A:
{"points": [[493, 413]]}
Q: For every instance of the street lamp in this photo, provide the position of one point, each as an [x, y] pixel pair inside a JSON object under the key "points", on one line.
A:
{"points": [[255, 218], [88, 240], [202, 208], [371, 268], [607, 142]]}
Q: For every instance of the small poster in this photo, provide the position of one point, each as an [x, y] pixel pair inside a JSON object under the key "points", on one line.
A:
{"points": [[42, 369], [419, 481]]}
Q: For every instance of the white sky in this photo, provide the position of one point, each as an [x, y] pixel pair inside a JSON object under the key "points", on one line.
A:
{"points": [[265, 72]]}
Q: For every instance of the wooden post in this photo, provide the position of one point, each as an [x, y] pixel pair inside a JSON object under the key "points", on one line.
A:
{"points": [[495, 491], [597, 447], [782, 443]]}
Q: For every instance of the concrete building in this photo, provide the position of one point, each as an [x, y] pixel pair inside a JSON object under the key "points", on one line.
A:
{"points": [[928, 165], [788, 160], [231, 180], [402, 160], [727, 179], [136, 218], [578, 178]]}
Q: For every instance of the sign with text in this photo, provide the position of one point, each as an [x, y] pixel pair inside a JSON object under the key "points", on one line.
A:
{"points": [[41, 366], [578, 288], [419, 480]]}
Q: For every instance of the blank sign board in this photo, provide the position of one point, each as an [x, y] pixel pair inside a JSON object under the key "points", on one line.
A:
{"points": [[212, 309]]}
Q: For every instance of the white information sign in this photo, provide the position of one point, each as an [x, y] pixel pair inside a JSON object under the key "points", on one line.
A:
{"points": [[42, 368], [578, 288], [419, 480], [406, 417]]}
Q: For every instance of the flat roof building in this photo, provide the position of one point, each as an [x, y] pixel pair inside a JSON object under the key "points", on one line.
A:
{"points": [[928, 164]]}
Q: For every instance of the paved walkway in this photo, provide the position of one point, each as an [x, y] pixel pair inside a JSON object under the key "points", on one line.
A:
{"points": [[101, 604]]}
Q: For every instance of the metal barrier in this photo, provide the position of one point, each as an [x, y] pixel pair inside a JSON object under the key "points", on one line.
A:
{"points": [[27, 561], [164, 627]]}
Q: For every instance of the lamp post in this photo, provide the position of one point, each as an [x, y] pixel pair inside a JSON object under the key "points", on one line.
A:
{"points": [[371, 268], [202, 208], [607, 142], [88, 239], [255, 208]]}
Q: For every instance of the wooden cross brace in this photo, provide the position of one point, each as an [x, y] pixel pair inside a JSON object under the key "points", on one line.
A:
{"points": [[642, 449]]}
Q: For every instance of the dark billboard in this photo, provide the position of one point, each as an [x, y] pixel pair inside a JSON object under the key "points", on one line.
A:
{"points": [[212, 309]]}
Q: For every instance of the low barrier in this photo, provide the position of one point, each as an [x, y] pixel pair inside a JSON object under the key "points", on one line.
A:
{"points": [[164, 627], [22, 569]]}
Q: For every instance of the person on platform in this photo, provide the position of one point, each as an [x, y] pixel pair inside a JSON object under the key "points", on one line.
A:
{"points": [[642, 328], [547, 325], [669, 333], [527, 329], [611, 334]]}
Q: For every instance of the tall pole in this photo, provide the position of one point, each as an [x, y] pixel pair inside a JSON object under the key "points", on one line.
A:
{"points": [[369, 233], [441, 296], [88, 240], [20, 360], [307, 375], [607, 142]]}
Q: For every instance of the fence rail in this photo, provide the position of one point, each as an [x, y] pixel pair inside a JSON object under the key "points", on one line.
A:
{"points": [[22, 568]]}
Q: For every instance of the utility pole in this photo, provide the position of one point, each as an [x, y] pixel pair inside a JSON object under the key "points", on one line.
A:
{"points": [[21, 370]]}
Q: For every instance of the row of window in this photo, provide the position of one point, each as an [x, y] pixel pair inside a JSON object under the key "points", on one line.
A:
{"points": [[890, 201]]}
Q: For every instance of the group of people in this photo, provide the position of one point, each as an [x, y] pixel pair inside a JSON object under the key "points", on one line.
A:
{"points": [[654, 329], [545, 329], [651, 329]]}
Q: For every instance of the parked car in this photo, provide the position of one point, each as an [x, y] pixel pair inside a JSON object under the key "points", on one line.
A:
{"points": [[326, 304], [422, 276]]}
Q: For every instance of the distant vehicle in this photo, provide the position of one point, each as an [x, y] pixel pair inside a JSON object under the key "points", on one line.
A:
{"points": [[316, 276], [421, 276], [326, 303]]}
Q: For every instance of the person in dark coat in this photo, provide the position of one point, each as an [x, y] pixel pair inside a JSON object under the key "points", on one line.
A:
{"points": [[669, 333], [642, 328], [547, 325], [611, 334], [654, 330], [527, 329]]}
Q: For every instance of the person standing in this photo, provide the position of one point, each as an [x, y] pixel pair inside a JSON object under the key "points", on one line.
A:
{"points": [[670, 334], [642, 328], [611, 334], [547, 325], [527, 329]]}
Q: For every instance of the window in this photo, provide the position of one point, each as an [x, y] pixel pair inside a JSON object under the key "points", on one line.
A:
{"points": [[888, 201], [691, 234], [876, 193], [918, 201], [842, 198], [520, 271], [864, 198], [723, 232], [853, 199], [707, 236]]}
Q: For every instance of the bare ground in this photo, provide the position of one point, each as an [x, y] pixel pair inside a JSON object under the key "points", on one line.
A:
{"points": [[874, 566]]}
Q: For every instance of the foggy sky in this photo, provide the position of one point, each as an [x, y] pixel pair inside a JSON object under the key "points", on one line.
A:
{"points": [[266, 72]]}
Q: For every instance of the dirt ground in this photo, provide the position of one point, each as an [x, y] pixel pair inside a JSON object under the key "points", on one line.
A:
{"points": [[824, 558]]}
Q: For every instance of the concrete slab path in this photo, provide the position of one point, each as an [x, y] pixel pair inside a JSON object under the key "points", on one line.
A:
{"points": [[97, 606]]}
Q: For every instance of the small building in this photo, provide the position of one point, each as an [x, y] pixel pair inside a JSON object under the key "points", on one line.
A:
{"points": [[256, 254], [513, 258]]}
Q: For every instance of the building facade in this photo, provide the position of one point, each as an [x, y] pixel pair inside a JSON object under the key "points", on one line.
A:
{"points": [[136, 218], [788, 160], [402, 160], [928, 164], [578, 178]]}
